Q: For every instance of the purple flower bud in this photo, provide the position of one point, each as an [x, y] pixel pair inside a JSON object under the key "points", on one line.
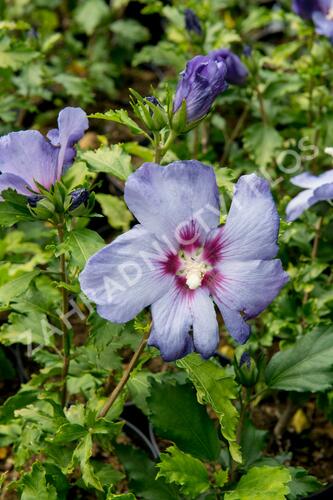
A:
{"points": [[305, 8], [247, 50], [245, 359], [202, 81], [79, 197], [33, 200], [236, 71], [192, 22], [153, 100]]}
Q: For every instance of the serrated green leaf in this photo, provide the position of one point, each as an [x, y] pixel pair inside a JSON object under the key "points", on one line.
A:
{"points": [[90, 13], [261, 141], [16, 286], [172, 407], [142, 475], [115, 209], [262, 483], [82, 454], [27, 329], [302, 483], [111, 160], [306, 366], [218, 389], [83, 243], [186, 471], [121, 496], [33, 485], [120, 116], [69, 432]]}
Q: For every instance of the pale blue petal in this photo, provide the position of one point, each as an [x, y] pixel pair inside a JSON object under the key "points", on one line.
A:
{"points": [[126, 276], [30, 156], [163, 199], [252, 225], [11, 181]]}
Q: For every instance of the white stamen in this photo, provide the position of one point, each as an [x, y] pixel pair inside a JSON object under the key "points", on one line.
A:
{"points": [[194, 270]]}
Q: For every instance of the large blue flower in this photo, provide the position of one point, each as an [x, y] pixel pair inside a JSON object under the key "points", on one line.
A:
{"points": [[316, 189], [179, 261], [26, 156], [321, 13], [201, 82]]}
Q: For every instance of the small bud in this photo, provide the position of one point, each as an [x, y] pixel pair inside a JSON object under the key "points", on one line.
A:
{"points": [[192, 22], [78, 197], [33, 200], [246, 370], [157, 113]]}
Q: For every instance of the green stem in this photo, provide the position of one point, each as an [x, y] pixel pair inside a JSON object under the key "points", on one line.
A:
{"points": [[65, 307], [261, 106], [167, 145], [157, 139], [235, 133], [122, 382]]}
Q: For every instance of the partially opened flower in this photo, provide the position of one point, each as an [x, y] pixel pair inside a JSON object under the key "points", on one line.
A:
{"points": [[201, 82], [27, 156], [316, 189], [321, 13], [236, 70], [179, 261]]}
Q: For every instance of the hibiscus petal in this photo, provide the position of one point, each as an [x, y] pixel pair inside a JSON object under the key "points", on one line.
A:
{"points": [[175, 314], [235, 324], [324, 193], [127, 275], [252, 225], [299, 204], [72, 123], [323, 25], [246, 288], [11, 181], [164, 199], [309, 181], [205, 326], [172, 320], [28, 155]]}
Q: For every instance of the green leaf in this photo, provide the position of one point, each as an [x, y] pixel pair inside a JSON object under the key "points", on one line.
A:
{"points": [[33, 485], [186, 471], [16, 286], [261, 141], [7, 371], [262, 483], [119, 116], [83, 244], [142, 475], [302, 484], [115, 209], [252, 443], [122, 496], [15, 55], [82, 454], [111, 160], [307, 366], [172, 407], [218, 389], [69, 432], [21, 399], [90, 13], [27, 329]]}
